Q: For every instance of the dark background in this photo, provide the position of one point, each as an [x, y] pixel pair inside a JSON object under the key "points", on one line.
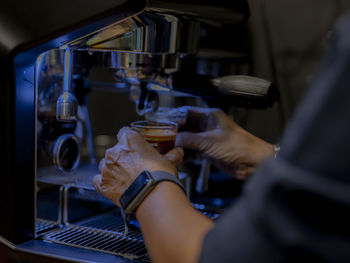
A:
{"points": [[288, 40]]}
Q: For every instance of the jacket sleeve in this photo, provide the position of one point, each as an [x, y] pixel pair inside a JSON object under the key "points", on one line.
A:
{"points": [[297, 207]]}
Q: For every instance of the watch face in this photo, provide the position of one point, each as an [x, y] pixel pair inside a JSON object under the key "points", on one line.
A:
{"points": [[132, 191]]}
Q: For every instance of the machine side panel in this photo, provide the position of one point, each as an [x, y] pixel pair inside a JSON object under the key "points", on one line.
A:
{"points": [[27, 30]]}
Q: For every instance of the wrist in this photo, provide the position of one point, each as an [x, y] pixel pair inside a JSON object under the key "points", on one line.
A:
{"points": [[258, 149], [159, 198], [144, 184], [266, 150]]}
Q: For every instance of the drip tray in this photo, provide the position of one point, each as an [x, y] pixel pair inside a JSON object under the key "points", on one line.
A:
{"points": [[43, 225], [102, 233]]}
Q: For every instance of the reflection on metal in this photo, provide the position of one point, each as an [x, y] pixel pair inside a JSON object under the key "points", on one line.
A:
{"points": [[145, 47], [7, 243], [153, 32], [136, 61]]}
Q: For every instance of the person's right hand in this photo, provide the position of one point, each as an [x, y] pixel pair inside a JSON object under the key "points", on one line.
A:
{"points": [[229, 146]]}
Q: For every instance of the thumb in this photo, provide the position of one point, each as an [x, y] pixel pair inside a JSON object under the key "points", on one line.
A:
{"points": [[96, 181], [175, 156], [191, 140]]}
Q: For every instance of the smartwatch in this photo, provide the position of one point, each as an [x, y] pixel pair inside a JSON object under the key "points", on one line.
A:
{"points": [[142, 186]]}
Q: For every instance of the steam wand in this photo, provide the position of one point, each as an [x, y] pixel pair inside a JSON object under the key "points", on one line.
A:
{"points": [[67, 104], [203, 178]]}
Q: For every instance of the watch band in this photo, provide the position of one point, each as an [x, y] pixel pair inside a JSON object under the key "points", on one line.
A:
{"points": [[140, 188], [161, 176]]}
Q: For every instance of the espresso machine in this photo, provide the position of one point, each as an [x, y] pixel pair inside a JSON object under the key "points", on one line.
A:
{"points": [[72, 74]]}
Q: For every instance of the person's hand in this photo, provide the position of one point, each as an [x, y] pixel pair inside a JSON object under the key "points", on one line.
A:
{"points": [[229, 146], [127, 159]]}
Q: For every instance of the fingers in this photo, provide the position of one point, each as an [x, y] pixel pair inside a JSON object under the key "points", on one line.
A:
{"points": [[96, 181], [130, 139], [201, 119], [175, 156], [193, 141], [196, 119], [101, 164], [126, 131], [109, 190]]}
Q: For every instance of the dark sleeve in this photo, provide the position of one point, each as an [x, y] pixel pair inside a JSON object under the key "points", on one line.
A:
{"points": [[297, 207]]}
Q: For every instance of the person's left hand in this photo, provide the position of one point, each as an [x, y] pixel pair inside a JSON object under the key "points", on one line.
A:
{"points": [[127, 159]]}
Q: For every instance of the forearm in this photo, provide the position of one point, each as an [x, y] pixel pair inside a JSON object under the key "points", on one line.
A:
{"points": [[173, 230]]}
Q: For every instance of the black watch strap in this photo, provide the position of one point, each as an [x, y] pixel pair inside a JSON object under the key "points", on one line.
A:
{"points": [[140, 188], [161, 176]]}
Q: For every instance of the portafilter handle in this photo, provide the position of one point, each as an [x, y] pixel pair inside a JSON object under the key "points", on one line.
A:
{"points": [[233, 90], [247, 91], [242, 85]]}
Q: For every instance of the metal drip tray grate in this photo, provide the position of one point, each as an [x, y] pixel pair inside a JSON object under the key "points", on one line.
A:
{"points": [[103, 233], [110, 222], [99, 241], [42, 225]]}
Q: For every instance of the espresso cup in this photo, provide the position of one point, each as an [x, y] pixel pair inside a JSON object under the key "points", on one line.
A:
{"points": [[161, 135]]}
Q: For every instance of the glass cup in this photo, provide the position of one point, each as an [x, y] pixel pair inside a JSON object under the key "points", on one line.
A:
{"points": [[161, 135]]}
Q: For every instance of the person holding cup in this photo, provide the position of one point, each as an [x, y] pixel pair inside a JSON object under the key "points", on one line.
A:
{"points": [[294, 209], [167, 205]]}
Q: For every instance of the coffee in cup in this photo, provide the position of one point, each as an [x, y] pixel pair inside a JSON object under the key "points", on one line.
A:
{"points": [[161, 135]]}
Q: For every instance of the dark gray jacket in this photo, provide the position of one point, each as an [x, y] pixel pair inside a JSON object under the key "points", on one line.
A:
{"points": [[297, 208]]}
